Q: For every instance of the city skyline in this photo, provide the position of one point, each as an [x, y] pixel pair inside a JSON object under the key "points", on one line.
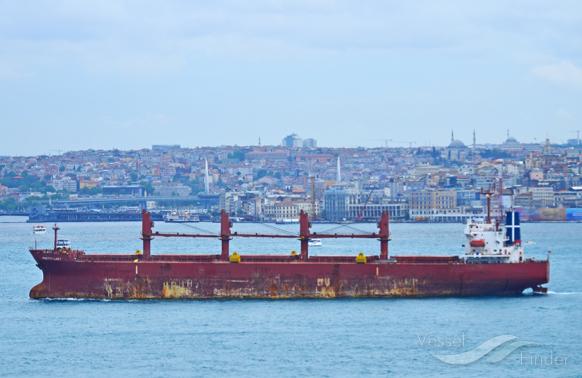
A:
{"points": [[441, 184], [315, 144]]}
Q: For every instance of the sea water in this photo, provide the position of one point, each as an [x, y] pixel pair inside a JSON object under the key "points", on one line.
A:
{"points": [[527, 335]]}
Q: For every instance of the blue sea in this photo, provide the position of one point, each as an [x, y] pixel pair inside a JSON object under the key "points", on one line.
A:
{"points": [[527, 335]]}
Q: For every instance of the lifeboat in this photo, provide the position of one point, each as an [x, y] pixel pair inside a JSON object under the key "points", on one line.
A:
{"points": [[477, 243]]}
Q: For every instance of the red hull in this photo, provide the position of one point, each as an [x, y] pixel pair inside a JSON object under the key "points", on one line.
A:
{"points": [[77, 275]]}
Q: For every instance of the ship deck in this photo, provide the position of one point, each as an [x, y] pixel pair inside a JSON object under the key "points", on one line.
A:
{"points": [[262, 258]]}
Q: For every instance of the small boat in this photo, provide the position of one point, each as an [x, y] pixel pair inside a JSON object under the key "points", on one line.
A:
{"points": [[38, 229], [181, 217], [315, 242], [286, 221]]}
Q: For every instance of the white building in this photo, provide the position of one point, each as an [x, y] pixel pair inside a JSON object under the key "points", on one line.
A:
{"points": [[543, 196], [65, 184], [288, 209]]}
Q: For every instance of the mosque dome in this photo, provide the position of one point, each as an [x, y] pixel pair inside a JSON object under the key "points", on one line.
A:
{"points": [[511, 141], [455, 143]]}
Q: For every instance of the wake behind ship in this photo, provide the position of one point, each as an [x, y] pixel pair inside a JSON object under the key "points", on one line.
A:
{"points": [[494, 264]]}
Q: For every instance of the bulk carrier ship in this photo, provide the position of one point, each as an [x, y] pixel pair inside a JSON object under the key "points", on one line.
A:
{"points": [[494, 264]]}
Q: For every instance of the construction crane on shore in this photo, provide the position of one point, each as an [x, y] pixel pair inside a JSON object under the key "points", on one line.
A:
{"points": [[393, 141], [361, 214]]}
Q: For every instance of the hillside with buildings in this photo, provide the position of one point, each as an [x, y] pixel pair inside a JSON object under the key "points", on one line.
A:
{"points": [[275, 183]]}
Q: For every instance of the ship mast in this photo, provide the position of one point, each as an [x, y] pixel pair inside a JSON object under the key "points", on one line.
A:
{"points": [[56, 230], [146, 233], [384, 233], [488, 194], [500, 179], [225, 232]]}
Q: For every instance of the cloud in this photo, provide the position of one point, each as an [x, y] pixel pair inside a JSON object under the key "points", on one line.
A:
{"points": [[563, 73], [147, 37]]}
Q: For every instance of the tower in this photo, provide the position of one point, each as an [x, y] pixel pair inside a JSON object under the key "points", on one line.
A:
{"points": [[206, 178], [338, 178], [547, 147], [474, 149]]}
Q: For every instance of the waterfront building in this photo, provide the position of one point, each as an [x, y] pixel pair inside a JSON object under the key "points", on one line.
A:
{"points": [[373, 211], [336, 200], [288, 209], [542, 196]]}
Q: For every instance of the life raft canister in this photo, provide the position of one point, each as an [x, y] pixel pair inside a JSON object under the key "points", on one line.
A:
{"points": [[477, 243]]}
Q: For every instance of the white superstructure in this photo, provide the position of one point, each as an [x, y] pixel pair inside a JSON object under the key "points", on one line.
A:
{"points": [[489, 241]]}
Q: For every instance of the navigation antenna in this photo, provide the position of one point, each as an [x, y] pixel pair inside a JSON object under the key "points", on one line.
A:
{"points": [[313, 212], [56, 230], [488, 193], [500, 216]]}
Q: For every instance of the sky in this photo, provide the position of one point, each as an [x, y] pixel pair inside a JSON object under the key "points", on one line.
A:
{"points": [[128, 74]]}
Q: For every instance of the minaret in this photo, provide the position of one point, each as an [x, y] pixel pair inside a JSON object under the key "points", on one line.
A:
{"points": [[452, 136], [338, 178], [474, 150], [206, 178]]}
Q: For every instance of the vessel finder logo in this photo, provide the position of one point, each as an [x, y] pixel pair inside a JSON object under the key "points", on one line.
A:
{"points": [[493, 350]]}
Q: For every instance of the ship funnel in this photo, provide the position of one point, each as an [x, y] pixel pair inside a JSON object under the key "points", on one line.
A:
{"points": [[512, 228]]}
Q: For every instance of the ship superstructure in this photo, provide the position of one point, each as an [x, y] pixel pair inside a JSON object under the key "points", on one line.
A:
{"points": [[491, 242]]}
